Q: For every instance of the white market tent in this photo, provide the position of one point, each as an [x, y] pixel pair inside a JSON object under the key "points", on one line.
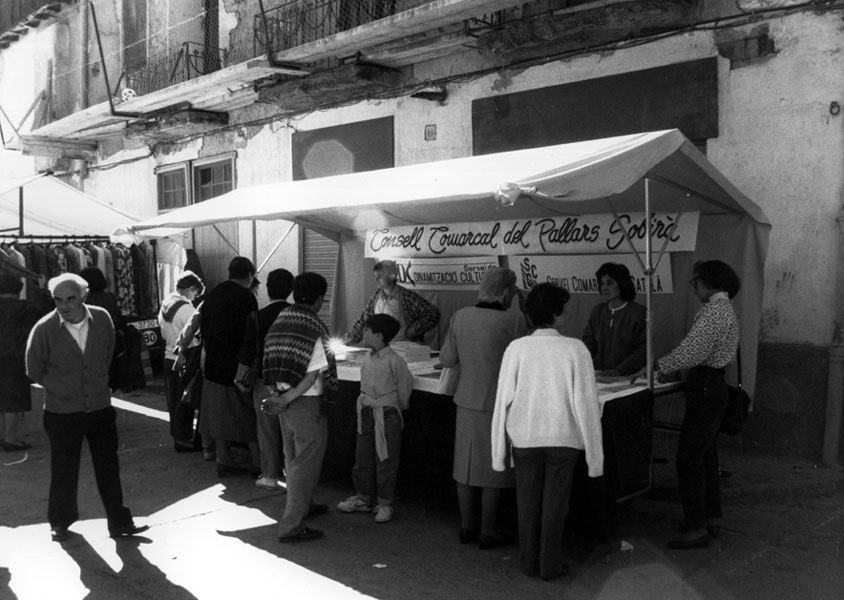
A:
{"points": [[597, 176], [42, 205]]}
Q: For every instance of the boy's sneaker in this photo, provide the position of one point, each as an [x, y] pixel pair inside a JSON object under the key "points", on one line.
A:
{"points": [[354, 504], [383, 514], [268, 483]]}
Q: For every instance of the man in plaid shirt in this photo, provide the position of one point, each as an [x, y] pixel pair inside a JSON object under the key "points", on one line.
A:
{"points": [[416, 315]]}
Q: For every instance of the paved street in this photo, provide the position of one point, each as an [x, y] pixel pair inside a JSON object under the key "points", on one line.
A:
{"points": [[211, 538]]}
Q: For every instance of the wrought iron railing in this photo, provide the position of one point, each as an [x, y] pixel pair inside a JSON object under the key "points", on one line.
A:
{"points": [[295, 23], [191, 60]]}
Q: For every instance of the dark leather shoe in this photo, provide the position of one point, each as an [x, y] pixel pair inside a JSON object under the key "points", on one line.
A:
{"points": [[467, 536], [230, 470], [713, 530], [306, 534], [488, 542], [563, 570], [60, 533], [127, 530], [182, 446], [316, 510], [700, 542]]}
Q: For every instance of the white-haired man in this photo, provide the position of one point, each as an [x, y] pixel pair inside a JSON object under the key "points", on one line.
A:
{"points": [[69, 352]]}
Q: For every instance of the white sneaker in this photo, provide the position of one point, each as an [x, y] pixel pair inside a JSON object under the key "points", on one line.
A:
{"points": [[353, 504], [268, 483], [383, 514]]}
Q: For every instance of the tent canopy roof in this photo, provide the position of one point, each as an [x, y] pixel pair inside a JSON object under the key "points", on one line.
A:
{"points": [[567, 179], [51, 207]]}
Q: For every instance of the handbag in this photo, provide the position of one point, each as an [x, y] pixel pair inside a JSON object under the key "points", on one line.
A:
{"points": [[738, 405], [244, 377]]}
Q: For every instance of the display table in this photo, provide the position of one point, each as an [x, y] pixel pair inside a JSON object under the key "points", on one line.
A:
{"points": [[428, 437]]}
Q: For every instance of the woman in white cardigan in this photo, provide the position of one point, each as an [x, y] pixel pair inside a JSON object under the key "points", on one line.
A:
{"points": [[546, 407]]}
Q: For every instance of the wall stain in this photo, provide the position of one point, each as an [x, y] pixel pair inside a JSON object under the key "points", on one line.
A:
{"points": [[787, 281]]}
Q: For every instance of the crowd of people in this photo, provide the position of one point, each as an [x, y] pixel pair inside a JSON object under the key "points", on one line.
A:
{"points": [[526, 398]]}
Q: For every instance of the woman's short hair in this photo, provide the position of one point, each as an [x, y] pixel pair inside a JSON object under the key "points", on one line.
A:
{"points": [[544, 302], [495, 285], [189, 280], [621, 275], [307, 287], [9, 284], [717, 275], [95, 278]]}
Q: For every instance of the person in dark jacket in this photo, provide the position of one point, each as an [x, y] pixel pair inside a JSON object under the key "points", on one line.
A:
{"points": [[616, 332], [227, 415], [68, 353], [279, 286], [17, 317]]}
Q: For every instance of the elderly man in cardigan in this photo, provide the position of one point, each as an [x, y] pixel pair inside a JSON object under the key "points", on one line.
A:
{"points": [[300, 372], [416, 315], [69, 352]]}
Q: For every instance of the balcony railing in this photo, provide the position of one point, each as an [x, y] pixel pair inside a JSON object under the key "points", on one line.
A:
{"points": [[296, 23], [191, 60]]}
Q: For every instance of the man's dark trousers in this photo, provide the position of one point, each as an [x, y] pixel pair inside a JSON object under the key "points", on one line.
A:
{"points": [[66, 432]]}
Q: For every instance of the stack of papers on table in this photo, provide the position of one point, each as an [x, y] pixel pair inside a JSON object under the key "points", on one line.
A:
{"points": [[412, 353]]}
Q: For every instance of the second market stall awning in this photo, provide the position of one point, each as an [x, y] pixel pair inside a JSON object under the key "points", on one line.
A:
{"points": [[566, 179]]}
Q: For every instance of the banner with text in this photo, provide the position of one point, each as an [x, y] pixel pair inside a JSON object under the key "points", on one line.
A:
{"points": [[444, 273], [584, 234], [576, 273]]}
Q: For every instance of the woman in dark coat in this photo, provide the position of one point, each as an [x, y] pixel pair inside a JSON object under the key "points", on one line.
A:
{"points": [[476, 340], [616, 332], [17, 317]]}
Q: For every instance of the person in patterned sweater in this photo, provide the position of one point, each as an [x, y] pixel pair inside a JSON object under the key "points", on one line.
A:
{"points": [[416, 315], [707, 349], [301, 374]]}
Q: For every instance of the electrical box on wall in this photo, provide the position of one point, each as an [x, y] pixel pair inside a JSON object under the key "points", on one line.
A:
{"points": [[430, 133]]}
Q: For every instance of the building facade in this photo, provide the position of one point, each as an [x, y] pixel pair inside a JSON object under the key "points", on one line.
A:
{"points": [[154, 104]]}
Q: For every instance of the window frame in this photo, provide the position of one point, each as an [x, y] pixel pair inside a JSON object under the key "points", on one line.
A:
{"points": [[189, 169]]}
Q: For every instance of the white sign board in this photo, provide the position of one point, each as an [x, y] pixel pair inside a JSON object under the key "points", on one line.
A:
{"points": [[576, 273], [444, 273], [584, 234]]}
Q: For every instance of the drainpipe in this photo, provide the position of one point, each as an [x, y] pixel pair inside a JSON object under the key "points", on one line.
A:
{"points": [[84, 34], [835, 384]]}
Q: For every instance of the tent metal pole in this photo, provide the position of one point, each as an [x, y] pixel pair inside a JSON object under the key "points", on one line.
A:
{"points": [[626, 235], [673, 229], [255, 244], [648, 292], [20, 210], [276, 247], [225, 239]]}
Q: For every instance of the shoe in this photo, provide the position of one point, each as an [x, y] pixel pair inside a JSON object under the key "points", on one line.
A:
{"points": [[60, 533], [305, 534], [467, 536], [127, 530], [230, 470], [384, 513], [316, 510], [183, 446], [487, 542], [268, 483], [563, 570], [209, 455], [700, 542], [354, 504], [15, 446], [713, 530]]}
